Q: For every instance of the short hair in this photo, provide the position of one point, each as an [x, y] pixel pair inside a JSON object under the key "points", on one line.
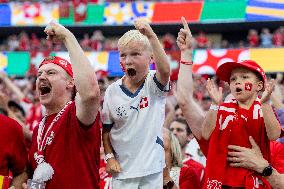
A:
{"points": [[133, 35], [183, 121]]}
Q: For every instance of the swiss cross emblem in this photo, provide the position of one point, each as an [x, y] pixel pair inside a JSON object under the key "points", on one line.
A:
{"points": [[143, 102]]}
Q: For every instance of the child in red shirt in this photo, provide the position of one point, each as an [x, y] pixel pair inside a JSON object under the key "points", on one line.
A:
{"points": [[232, 122]]}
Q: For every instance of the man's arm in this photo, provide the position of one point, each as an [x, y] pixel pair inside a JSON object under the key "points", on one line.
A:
{"points": [[252, 159], [160, 57], [192, 111], [88, 96]]}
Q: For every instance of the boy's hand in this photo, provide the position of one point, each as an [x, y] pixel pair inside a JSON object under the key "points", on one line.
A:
{"points": [[185, 39], [215, 94], [269, 87], [113, 166], [56, 32], [144, 27]]}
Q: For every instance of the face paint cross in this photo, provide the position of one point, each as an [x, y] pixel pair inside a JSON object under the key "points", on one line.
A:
{"points": [[248, 86]]}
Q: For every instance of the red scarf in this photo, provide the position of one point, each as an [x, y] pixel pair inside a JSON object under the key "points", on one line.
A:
{"points": [[5, 182], [234, 125]]}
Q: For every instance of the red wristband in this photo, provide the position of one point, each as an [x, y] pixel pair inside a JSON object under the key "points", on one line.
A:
{"points": [[186, 63]]}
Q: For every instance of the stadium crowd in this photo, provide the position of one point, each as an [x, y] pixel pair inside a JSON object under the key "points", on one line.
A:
{"points": [[185, 151]]}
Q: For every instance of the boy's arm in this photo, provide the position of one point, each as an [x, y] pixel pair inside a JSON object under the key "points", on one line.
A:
{"points": [[160, 57], [185, 83], [209, 123], [112, 164], [272, 126]]}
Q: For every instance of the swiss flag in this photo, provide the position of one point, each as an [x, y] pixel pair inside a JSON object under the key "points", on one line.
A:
{"points": [[80, 10], [143, 102], [31, 10]]}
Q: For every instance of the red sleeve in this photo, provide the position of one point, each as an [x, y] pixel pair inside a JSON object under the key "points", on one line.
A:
{"points": [[204, 145], [277, 156], [19, 151], [188, 179]]}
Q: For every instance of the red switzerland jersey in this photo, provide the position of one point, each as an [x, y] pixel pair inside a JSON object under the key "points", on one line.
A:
{"points": [[277, 156], [188, 178], [74, 152], [13, 153]]}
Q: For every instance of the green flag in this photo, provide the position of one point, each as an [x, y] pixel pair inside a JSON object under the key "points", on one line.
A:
{"points": [[18, 63], [222, 10]]}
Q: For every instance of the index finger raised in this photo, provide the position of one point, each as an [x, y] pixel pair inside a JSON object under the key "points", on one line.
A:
{"points": [[185, 25]]}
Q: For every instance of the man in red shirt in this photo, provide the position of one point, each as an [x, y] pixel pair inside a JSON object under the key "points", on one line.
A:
{"points": [[65, 146], [13, 154]]}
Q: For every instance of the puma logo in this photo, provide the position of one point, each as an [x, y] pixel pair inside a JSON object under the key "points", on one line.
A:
{"points": [[135, 108]]}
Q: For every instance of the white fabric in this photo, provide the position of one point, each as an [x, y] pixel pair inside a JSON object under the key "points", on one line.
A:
{"points": [[137, 122], [175, 174], [193, 149], [154, 181]]}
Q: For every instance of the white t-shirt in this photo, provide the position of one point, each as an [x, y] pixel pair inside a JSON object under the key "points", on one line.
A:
{"points": [[136, 121]]}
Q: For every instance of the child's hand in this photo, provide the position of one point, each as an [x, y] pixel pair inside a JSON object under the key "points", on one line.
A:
{"points": [[269, 87], [215, 94], [184, 39], [113, 166], [144, 27]]}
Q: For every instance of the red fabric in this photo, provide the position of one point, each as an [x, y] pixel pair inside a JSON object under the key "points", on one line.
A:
{"points": [[234, 128], [74, 153], [188, 178], [105, 178], [34, 116], [277, 156], [198, 168], [13, 154], [80, 10], [253, 40], [60, 62]]}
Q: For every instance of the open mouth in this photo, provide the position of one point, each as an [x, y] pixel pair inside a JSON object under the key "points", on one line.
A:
{"points": [[44, 90], [131, 71], [238, 90]]}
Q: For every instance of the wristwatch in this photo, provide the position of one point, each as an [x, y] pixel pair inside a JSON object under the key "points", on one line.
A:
{"points": [[170, 184], [108, 156], [267, 171]]}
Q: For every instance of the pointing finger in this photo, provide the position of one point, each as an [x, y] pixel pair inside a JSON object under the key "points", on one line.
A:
{"points": [[185, 25]]}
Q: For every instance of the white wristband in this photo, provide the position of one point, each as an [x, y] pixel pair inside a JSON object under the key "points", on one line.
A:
{"points": [[109, 156], [214, 107]]}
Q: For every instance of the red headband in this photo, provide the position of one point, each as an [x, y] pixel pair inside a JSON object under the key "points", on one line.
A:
{"points": [[60, 62]]}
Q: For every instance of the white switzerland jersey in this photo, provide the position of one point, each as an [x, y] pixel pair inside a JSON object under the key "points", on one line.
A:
{"points": [[136, 122]]}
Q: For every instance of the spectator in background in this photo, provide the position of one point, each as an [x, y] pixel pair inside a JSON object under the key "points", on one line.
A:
{"points": [[13, 43], [168, 41], [277, 38], [34, 42], [183, 176], [202, 40], [13, 154], [189, 147], [97, 41], [24, 43], [85, 42], [253, 39], [266, 38]]}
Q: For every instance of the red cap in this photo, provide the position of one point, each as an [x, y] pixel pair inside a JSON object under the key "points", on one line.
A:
{"points": [[224, 71], [60, 62]]}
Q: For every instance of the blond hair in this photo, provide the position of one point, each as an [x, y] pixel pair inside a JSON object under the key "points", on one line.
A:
{"points": [[176, 151], [133, 36]]}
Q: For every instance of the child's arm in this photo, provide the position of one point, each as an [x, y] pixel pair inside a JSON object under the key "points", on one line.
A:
{"points": [[272, 126], [160, 57], [209, 123], [112, 164]]}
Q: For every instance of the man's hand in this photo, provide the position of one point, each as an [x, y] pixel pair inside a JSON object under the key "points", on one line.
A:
{"points": [[113, 166], [56, 32], [185, 39], [269, 87], [144, 27], [215, 94], [247, 158]]}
